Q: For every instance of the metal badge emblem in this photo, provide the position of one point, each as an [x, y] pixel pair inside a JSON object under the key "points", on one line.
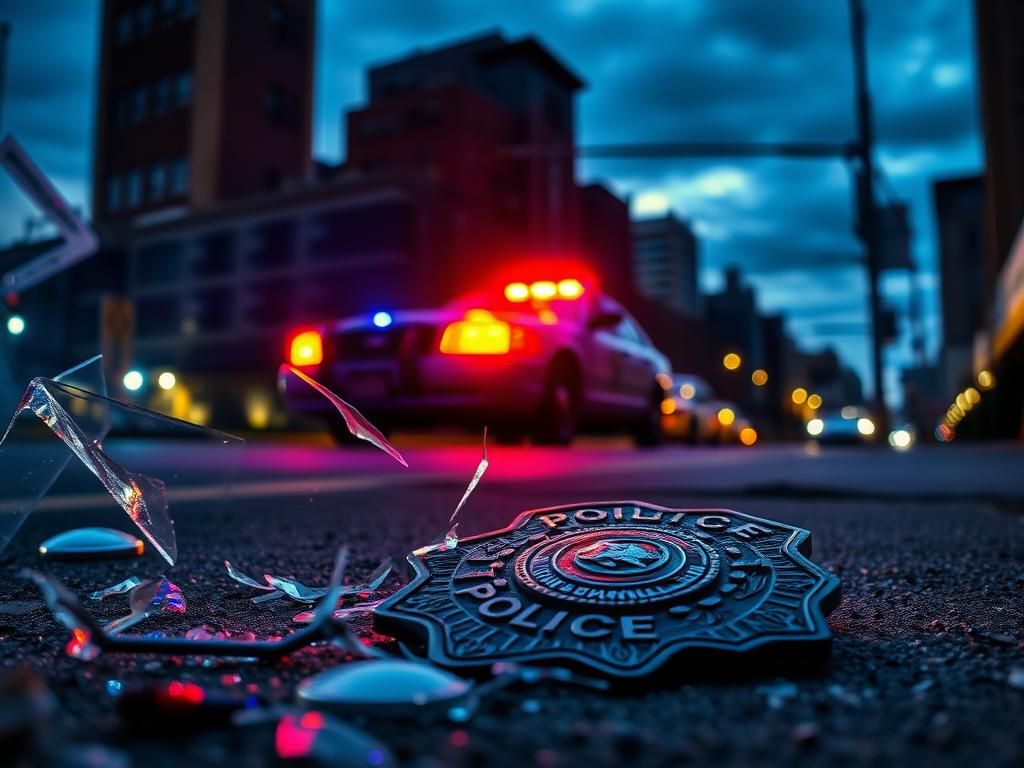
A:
{"points": [[619, 587]]}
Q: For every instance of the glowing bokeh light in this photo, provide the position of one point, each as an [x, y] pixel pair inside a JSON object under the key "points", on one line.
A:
{"points": [[543, 290], [900, 439], [570, 289], [814, 402], [726, 416], [133, 380], [668, 406], [748, 435], [731, 361], [517, 292], [15, 325], [799, 396], [759, 377], [865, 426], [166, 380], [687, 391], [986, 380], [307, 348], [382, 319], [815, 427]]}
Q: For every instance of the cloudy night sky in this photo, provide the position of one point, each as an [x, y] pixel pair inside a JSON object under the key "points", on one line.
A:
{"points": [[656, 70]]}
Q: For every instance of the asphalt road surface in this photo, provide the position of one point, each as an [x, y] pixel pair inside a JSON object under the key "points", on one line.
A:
{"points": [[927, 663]]}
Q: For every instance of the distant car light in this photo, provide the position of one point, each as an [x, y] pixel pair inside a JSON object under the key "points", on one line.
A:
{"points": [[15, 325], [748, 435], [382, 319], [900, 439], [815, 427], [307, 348], [726, 416], [543, 290], [478, 334], [570, 289], [517, 292], [865, 426], [133, 380], [166, 380]]}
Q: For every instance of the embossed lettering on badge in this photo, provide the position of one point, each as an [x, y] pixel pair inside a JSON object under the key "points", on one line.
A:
{"points": [[620, 587]]}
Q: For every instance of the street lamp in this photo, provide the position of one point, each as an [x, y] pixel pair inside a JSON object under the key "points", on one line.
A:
{"points": [[133, 380], [15, 325]]}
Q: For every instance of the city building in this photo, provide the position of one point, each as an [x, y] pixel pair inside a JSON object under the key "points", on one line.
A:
{"points": [[665, 262], [491, 120], [200, 102], [1000, 29], [960, 216]]}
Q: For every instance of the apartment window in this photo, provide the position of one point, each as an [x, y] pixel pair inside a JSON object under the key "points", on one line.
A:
{"points": [[279, 21], [113, 194], [215, 254], [162, 95], [183, 88], [124, 27], [159, 263], [157, 183], [119, 108], [133, 189], [179, 176], [168, 10], [138, 105], [144, 19]]}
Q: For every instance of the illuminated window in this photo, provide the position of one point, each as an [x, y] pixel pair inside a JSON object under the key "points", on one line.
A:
{"points": [[183, 89], [179, 176], [156, 183], [133, 189]]}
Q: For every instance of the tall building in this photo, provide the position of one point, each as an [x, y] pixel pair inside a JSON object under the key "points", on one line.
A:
{"points": [[960, 215], [665, 262], [1000, 29], [492, 121], [200, 102]]}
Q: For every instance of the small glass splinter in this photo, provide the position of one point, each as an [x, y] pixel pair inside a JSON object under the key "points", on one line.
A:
{"points": [[450, 539], [357, 424]]}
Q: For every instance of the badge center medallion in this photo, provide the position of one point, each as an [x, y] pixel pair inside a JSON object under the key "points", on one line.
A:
{"points": [[619, 566]]}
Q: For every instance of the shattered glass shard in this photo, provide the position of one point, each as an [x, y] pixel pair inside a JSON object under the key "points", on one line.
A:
{"points": [[450, 539], [151, 598], [357, 424], [68, 611], [117, 589], [296, 590], [81, 419], [248, 581]]}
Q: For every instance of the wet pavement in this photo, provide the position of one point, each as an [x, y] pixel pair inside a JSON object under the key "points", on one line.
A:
{"points": [[927, 662]]}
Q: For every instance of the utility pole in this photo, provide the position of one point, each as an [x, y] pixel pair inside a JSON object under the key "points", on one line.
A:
{"points": [[867, 206], [5, 33]]}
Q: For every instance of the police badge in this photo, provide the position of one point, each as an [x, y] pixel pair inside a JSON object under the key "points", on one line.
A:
{"points": [[619, 587]]}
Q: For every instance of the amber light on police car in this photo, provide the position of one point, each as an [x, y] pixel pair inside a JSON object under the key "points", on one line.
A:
{"points": [[544, 290], [306, 348], [481, 333]]}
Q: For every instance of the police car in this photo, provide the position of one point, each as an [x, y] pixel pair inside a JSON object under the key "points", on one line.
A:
{"points": [[543, 358]]}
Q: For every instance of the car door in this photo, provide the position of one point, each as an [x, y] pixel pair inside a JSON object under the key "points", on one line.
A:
{"points": [[607, 354], [638, 365]]}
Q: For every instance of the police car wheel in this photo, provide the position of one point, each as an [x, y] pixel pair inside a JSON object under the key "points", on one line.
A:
{"points": [[556, 420], [648, 432]]}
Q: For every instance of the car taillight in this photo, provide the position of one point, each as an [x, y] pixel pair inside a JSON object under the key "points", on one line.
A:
{"points": [[306, 348], [480, 333]]}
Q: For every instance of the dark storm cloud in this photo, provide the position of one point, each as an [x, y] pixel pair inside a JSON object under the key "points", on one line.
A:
{"points": [[656, 70]]}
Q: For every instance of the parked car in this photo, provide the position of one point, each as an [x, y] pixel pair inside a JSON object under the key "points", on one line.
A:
{"points": [[851, 425], [688, 413], [544, 358]]}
